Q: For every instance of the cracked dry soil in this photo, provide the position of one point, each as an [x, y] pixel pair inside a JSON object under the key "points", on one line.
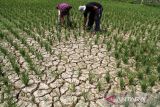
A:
{"points": [[74, 76]]}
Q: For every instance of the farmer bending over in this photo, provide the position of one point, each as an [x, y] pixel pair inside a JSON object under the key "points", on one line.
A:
{"points": [[94, 10], [63, 10]]}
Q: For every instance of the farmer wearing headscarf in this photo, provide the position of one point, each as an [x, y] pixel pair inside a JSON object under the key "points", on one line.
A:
{"points": [[63, 10], [94, 10]]}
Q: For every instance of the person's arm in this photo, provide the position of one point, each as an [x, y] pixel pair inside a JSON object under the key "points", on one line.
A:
{"points": [[57, 6]]}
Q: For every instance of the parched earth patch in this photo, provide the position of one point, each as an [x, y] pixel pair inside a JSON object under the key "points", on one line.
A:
{"points": [[75, 75]]}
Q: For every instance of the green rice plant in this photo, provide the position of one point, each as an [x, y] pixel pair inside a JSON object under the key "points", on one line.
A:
{"points": [[158, 68], [152, 79], [4, 51], [39, 56], [60, 56], [125, 57], [42, 43], [75, 35], [85, 96], [132, 51], [12, 60], [99, 86], [50, 41], [133, 90], [120, 73], [137, 65], [28, 59], [144, 85], [31, 49], [23, 40], [1, 71], [36, 70], [107, 77], [72, 87], [122, 84], [116, 54], [32, 66], [16, 68], [131, 77], [1, 35], [104, 38], [118, 63], [8, 95], [47, 46], [148, 70], [90, 47], [140, 75], [145, 60], [158, 59], [96, 39], [79, 73], [16, 46], [91, 77], [14, 64], [25, 78], [22, 51], [66, 34], [126, 103], [58, 34], [108, 45]]}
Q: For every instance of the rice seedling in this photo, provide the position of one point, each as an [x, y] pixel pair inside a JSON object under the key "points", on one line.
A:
{"points": [[158, 59], [22, 51], [85, 96], [79, 73], [47, 46], [126, 104], [12, 60], [131, 77], [122, 84], [118, 63], [91, 77], [140, 75], [148, 70], [158, 68], [108, 45], [96, 39], [152, 79], [25, 78], [120, 73], [117, 56], [107, 77], [4, 51], [72, 87], [1, 35], [99, 86], [144, 85]]}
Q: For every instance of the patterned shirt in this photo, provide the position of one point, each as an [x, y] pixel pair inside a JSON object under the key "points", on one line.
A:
{"points": [[63, 6]]}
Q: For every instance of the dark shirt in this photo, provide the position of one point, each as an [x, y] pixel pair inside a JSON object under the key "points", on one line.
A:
{"points": [[90, 8]]}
